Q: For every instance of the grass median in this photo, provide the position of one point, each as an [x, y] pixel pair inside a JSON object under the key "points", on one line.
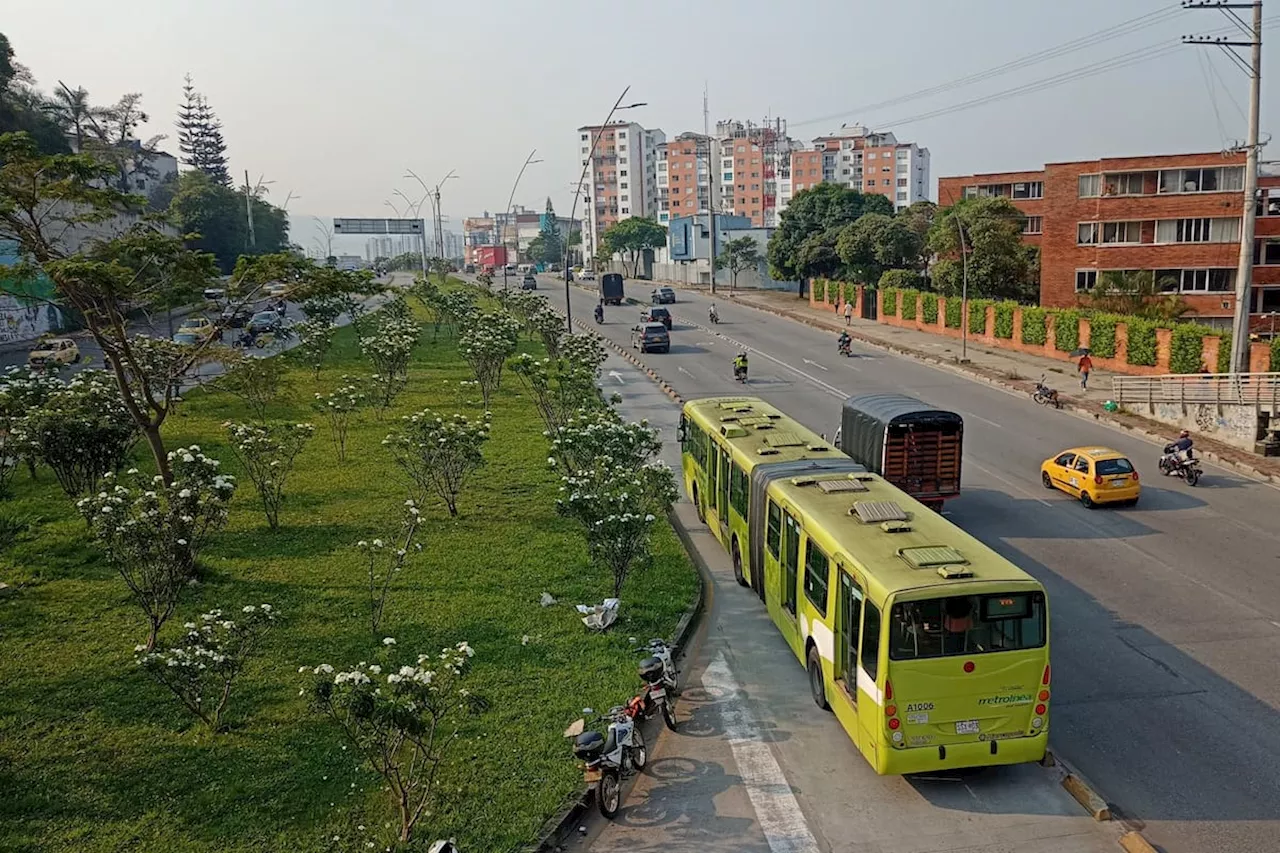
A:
{"points": [[94, 756]]}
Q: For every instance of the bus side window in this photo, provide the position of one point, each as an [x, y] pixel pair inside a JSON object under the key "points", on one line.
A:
{"points": [[817, 570], [849, 616], [871, 640], [682, 432], [738, 490], [790, 562], [774, 538]]}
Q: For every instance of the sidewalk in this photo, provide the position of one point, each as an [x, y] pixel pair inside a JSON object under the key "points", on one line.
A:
{"points": [[1012, 370]]}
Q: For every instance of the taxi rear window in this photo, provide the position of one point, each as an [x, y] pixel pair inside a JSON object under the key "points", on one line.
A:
{"points": [[1106, 467]]}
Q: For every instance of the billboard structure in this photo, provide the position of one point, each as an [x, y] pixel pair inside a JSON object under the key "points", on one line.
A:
{"points": [[365, 227]]}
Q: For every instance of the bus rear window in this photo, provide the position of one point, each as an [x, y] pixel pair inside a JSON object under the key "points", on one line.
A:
{"points": [[1109, 467], [966, 625]]}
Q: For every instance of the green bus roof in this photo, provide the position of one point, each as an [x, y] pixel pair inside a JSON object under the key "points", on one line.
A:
{"points": [[757, 432], [895, 541]]}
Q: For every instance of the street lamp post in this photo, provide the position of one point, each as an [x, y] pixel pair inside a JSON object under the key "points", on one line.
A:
{"points": [[326, 232], [510, 200], [586, 164], [433, 193], [415, 211], [964, 294]]}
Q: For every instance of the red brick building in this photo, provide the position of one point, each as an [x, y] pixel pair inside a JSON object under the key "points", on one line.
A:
{"points": [[1175, 215]]}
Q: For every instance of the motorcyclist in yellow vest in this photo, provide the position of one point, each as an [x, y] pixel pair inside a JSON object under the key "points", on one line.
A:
{"points": [[740, 365]]}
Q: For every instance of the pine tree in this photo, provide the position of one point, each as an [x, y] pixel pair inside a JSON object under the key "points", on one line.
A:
{"points": [[200, 136]]}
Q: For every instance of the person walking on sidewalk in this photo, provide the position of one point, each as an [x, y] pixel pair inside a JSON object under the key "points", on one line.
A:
{"points": [[848, 313], [1085, 366]]}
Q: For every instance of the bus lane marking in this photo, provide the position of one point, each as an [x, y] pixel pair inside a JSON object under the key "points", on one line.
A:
{"points": [[776, 808]]}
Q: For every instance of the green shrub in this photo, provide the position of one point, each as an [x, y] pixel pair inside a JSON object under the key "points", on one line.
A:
{"points": [[889, 302], [1142, 341], [1186, 348], [910, 301], [929, 308], [1224, 353], [978, 315], [952, 312], [899, 279], [1102, 335], [1066, 329], [1004, 320], [1033, 326]]}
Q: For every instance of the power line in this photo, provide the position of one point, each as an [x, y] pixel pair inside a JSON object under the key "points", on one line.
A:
{"points": [[1140, 23], [1214, 68], [1213, 99]]}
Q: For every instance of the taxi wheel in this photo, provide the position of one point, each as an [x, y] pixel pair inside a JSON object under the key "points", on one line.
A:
{"points": [[1087, 501], [1046, 479]]}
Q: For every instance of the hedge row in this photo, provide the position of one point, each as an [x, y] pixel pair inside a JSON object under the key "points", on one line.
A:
{"points": [[952, 316], [978, 315], [1004, 320], [889, 302], [910, 299], [1034, 329]]}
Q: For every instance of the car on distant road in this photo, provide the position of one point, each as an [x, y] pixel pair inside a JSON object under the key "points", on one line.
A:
{"points": [[1095, 475], [188, 338], [529, 282], [235, 317], [469, 269], [651, 337], [202, 327], [587, 275], [657, 315], [663, 296], [277, 290], [54, 351], [215, 294], [264, 321]]}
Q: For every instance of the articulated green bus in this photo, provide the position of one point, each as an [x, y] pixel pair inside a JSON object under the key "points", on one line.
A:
{"points": [[930, 648]]}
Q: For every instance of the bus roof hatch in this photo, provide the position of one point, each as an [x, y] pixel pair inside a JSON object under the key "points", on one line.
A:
{"points": [[929, 556], [873, 512]]}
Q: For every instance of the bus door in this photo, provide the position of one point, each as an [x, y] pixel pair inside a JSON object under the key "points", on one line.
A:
{"points": [[722, 493], [849, 599]]}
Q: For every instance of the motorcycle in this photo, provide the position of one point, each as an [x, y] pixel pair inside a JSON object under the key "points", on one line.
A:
{"points": [[845, 348], [740, 373], [1187, 469], [606, 757], [658, 671], [1046, 396], [599, 315], [449, 846], [713, 316]]}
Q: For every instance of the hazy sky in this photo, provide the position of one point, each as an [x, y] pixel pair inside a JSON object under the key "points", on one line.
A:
{"points": [[333, 101]]}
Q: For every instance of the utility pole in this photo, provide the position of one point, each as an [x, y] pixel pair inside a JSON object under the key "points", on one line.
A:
{"points": [[1248, 224], [711, 184], [964, 293]]}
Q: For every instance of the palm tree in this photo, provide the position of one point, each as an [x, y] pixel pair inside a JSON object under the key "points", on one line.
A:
{"points": [[1137, 293], [71, 109]]}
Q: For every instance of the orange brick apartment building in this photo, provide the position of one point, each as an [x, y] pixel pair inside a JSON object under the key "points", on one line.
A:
{"points": [[1175, 215]]}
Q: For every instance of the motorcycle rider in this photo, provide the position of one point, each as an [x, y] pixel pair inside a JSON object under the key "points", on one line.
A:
{"points": [[600, 311], [843, 343], [1180, 451], [713, 314], [740, 365]]}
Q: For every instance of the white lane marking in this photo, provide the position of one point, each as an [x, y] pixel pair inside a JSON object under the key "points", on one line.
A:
{"points": [[984, 420], [685, 372], [775, 806], [618, 376], [815, 364], [1017, 487]]}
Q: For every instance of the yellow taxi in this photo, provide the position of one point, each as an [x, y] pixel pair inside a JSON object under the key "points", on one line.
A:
{"points": [[1095, 475]]}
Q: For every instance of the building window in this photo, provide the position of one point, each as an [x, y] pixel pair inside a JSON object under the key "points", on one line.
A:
{"points": [[624, 197], [1090, 186], [969, 192], [885, 169], [1267, 253], [755, 200], [902, 169], [1196, 281], [885, 182], [1087, 233], [1032, 225], [755, 186], [902, 153], [1198, 230], [742, 161], [742, 148], [871, 183], [727, 177], [902, 196], [902, 182], [844, 171], [622, 186], [626, 210], [871, 155], [813, 173], [622, 173], [585, 137], [1215, 180], [1121, 232], [1033, 189], [1125, 183], [1086, 280]]}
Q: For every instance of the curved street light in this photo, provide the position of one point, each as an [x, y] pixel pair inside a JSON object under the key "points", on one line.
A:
{"points": [[433, 194], [510, 199], [568, 276]]}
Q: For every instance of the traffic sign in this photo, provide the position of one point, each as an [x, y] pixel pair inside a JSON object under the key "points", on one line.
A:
{"points": [[377, 226]]}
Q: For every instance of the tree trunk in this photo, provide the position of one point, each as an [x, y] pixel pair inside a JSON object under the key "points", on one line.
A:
{"points": [[156, 442]]}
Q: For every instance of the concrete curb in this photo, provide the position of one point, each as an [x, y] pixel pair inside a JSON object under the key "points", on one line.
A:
{"points": [[1011, 386], [635, 362], [1080, 789], [1135, 843]]}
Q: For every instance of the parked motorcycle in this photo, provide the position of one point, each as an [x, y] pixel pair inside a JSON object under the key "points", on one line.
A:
{"points": [[1173, 463], [1046, 396], [658, 671], [606, 757]]}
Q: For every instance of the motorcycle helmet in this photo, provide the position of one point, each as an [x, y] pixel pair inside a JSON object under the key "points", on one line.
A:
{"points": [[1184, 434]]}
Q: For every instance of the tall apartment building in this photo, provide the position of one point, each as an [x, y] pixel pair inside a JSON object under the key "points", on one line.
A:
{"points": [[621, 179], [755, 159], [684, 172], [1177, 216], [862, 160]]}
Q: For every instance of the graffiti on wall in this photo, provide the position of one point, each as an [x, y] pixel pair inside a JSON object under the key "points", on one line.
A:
{"points": [[25, 312]]}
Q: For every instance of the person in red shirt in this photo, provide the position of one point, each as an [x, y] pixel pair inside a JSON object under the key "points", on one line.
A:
{"points": [[1085, 366]]}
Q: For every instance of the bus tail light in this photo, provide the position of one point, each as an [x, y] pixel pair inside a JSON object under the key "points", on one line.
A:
{"points": [[894, 724], [1040, 709], [1044, 696], [888, 691], [1045, 679], [891, 710]]}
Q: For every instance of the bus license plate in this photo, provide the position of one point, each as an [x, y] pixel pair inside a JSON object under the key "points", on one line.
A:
{"points": [[966, 727]]}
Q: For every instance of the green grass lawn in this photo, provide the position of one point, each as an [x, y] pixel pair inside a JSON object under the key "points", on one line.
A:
{"points": [[95, 757]]}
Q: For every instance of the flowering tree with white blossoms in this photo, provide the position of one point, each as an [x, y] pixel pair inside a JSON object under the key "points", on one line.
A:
{"points": [[268, 454], [403, 720], [549, 326], [438, 454], [201, 668], [22, 389], [388, 346], [81, 431], [592, 434], [617, 505], [315, 339], [339, 407], [455, 308], [487, 342], [153, 533], [386, 560], [257, 381]]}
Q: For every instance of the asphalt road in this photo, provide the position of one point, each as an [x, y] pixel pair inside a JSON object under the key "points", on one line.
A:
{"points": [[1166, 617]]}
